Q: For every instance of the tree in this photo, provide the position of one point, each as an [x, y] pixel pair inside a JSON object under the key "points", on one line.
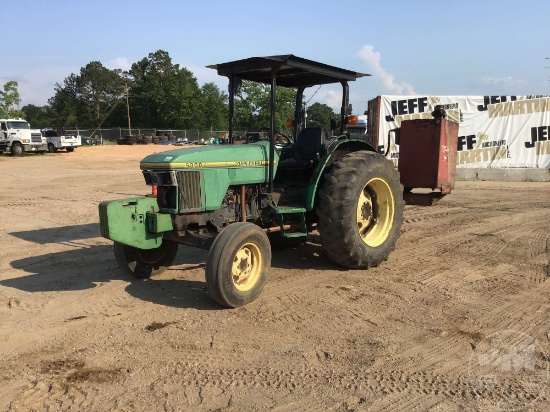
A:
{"points": [[86, 99], [37, 116], [319, 115], [163, 94], [252, 106], [214, 108], [64, 104], [98, 89], [9, 100]]}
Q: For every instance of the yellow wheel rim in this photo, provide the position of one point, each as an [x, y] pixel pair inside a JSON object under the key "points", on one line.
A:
{"points": [[247, 267], [375, 211]]}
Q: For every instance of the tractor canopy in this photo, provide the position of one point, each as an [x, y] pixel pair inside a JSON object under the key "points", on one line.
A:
{"points": [[290, 71], [286, 71]]}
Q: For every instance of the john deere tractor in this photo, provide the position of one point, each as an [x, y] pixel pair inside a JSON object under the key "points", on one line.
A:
{"points": [[241, 201]]}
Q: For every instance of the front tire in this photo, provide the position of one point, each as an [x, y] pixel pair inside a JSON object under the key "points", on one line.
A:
{"points": [[144, 263], [360, 210], [237, 265], [17, 149], [51, 148]]}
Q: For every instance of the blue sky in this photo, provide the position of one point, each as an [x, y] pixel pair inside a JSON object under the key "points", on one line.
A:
{"points": [[410, 47]]}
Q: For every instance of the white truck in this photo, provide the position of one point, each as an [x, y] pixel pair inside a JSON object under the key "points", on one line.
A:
{"points": [[57, 140], [17, 137], [357, 126]]}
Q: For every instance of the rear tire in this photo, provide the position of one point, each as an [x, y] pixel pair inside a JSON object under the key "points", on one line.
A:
{"points": [[237, 265], [70, 149], [360, 210], [144, 263]]}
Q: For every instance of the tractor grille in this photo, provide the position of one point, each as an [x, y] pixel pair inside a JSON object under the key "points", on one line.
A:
{"points": [[189, 185], [36, 138]]}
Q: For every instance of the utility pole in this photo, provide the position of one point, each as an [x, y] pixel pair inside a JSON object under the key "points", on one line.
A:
{"points": [[127, 88]]}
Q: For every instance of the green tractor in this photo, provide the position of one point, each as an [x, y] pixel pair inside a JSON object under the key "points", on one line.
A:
{"points": [[241, 201]]}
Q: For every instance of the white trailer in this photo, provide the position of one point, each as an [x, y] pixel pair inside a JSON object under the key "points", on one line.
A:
{"points": [[17, 137]]}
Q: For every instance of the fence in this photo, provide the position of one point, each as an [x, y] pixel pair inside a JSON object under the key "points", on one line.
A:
{"points": [[110, 135]]}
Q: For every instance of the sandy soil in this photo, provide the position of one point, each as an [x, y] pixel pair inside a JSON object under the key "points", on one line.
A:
{"points": [[456, 319]]}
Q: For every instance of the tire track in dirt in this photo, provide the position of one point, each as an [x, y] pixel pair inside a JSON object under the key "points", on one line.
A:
{"points": [[415, 215], [517, 240], [416, 390], [58, 387], [57, 395], [445, 352]]}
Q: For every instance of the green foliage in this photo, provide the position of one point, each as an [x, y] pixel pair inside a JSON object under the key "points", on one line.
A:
{"points": [[37, 116], [214, 108], [63, 106], [85, 99], [319, 115], [252, 106], [160, 94], [98, 89], [163, 94], [9, 101]]}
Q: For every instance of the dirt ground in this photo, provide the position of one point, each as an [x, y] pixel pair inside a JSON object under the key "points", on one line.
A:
{"points": [[456, 319]]}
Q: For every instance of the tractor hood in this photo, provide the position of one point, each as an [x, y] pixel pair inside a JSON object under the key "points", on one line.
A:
{"points": [[218, 156]]}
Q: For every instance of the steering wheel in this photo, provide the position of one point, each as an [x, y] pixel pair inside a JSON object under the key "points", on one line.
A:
{"points": [[282, 139]]}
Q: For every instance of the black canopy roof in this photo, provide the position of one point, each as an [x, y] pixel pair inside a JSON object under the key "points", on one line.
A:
{"points": [[292, 71]]}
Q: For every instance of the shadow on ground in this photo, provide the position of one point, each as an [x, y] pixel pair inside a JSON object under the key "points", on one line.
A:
{"points": [[87, 266], [61, 234]]}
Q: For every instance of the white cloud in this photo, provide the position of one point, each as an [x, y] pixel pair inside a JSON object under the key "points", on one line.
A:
{"points": [[332, 98], [372, 59], [121, 63], [205, 75]]}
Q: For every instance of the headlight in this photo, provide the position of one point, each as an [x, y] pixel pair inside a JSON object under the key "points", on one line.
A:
{"points": [[26, 141]]}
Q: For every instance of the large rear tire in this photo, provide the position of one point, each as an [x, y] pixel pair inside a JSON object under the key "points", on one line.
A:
{"points": [[360, 210], [237, 265], [144, 263]]}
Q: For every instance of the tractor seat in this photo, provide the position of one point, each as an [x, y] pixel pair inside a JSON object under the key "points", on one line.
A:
{"points": [[308, 149]]}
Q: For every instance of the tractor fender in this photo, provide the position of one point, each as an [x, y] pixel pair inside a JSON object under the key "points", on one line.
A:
{"points": [[335, 151]]}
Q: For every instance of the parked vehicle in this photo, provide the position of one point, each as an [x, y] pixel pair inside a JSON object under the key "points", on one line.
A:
{"points": [[57, 141], [240, 201], [17, 137], [357, 126], [89, 141]]}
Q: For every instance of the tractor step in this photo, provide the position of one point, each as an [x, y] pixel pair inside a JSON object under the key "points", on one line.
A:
{"points": [[279, 210], [288, 211]]}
